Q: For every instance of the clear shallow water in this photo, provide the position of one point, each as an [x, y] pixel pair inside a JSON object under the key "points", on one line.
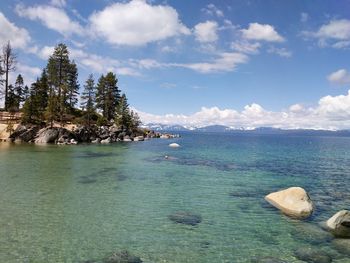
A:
{"points": [[75, 203]]}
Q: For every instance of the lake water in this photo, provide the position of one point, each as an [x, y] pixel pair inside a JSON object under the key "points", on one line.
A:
{"points": [[79, 203]]}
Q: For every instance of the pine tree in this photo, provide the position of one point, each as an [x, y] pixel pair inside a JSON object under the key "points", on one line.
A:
{"points": [[108, 95], [122, 117], [12, 99], [73, 86], [58, 68], [19, 89], [88, 98], [8, 61]]}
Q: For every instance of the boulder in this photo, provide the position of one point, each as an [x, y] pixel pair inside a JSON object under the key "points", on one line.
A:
{"points": [[185, 217], [294, 202], [47, 135], [174, 145], [122, 257], [312, 255], [107, 140], [97, 140], [339, 224], [342, 245], [127, 140], [267, 260]]}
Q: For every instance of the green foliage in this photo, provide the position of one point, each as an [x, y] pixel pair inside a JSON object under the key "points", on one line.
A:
{"points": [[101, 121], [107, 95], [88, 99]]}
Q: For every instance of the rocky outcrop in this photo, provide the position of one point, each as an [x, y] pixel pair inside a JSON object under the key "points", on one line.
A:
{"points": [[53, 135], [185, 217], [339, 224], [104, 134], [25, 133], [294, 202]]}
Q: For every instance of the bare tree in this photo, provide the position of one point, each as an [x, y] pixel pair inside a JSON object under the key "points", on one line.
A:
{"points": [[8, 61]]}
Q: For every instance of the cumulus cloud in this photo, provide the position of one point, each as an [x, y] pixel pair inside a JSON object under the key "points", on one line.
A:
{"points": [[212, 10], [331, 113], [206, 32], [92, 62], [246, 46], [137, 23], [262, 32], [335, 34], [58, 3], [52, 17], [19, 37], [282, 52], [339, 77], [226, 62]]}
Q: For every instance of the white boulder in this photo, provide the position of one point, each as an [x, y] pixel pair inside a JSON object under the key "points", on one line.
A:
{"points": [[339, 224], [294, 202], [174, 145]]}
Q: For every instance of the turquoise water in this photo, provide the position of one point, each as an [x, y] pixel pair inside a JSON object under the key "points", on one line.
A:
{"points": [[79, 203]]}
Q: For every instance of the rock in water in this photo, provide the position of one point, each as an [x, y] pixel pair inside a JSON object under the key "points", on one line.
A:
{"points": [[107, 140], [339, 224], [342, 245], [122, 257], [174, 145], [267, 260], [312, 255], [185, 217], [294, 202], [47, 135]]}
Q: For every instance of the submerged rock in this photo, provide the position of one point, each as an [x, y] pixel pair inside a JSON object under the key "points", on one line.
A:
{"points": [[267, 260], [342, 245], [185, 217], [294, 202], [311, 233], [122, 257], [339, 224], [312, 255]]}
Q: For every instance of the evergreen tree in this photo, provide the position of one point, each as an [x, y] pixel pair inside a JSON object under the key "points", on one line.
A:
{"points": [[122, 117], [19, 89], [73, 85], [58, 68], [88, 98], [12, 99], [108, 95], [8, 61]]}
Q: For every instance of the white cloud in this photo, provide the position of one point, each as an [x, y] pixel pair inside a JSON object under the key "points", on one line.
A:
{"points": [[19, 37], [331, 112], [246, 46], [262, 32], [226, 62], [211, 9], [58, 3], [336, 29], [335, 34], [29, 73], [137, 23], [339, 77], [304, 17], [282, 52], [206, 32], [52, 17]]}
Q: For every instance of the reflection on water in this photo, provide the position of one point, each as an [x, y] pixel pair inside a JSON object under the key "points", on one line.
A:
{"points": [[202, 204]]}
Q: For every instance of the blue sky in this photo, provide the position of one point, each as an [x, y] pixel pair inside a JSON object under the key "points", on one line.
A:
{"points": [[239, 63]]}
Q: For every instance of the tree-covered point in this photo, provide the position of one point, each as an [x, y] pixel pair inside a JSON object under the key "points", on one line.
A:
{"points": [[54, 96]]}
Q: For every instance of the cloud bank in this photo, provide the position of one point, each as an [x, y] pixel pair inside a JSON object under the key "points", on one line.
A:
{"points": [[331, 113]]}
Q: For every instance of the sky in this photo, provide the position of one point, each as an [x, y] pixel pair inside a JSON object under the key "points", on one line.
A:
{"points": [[243, 64]]}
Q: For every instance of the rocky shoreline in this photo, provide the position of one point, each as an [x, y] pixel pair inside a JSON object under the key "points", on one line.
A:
{"points": [[81, 134]]}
